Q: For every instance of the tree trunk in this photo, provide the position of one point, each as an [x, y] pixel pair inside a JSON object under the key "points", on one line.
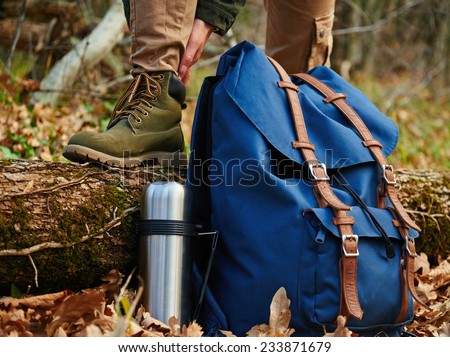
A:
{"points": [[64, 226]]}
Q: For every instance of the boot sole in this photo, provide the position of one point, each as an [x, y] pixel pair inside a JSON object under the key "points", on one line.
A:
{"points": [[82, 154]]}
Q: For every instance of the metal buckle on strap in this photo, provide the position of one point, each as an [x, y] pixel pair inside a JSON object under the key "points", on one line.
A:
{"points": [[384, 168], [313, 165], [355, 238], [407, 240]]}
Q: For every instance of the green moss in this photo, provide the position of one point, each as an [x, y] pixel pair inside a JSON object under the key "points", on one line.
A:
{"points": [[429, 203], [82, 265], [71, 268], [14, 222], [88, 217]]}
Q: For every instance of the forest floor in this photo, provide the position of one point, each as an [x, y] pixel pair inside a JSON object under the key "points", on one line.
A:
{"points": [[113, 310]]}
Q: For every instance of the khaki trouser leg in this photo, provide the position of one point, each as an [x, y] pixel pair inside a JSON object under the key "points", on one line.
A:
{"points": [[160, 30], [299, 33]]}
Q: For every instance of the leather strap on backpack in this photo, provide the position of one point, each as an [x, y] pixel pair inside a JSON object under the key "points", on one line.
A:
{"points": [[350, 305], [407, 268], [317, 169], [388, 178], [403, 222]]}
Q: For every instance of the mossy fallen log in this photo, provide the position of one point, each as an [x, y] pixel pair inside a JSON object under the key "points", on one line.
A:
{"points": [[64, 226]]}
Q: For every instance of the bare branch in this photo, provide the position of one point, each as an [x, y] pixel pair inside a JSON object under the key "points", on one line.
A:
{"points": [[85, 55], [17, 35], [380, 22]]}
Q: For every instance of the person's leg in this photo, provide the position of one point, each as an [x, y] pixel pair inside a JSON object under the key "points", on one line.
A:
{"points": [[160, 30], [145, 124], [298, 34]]}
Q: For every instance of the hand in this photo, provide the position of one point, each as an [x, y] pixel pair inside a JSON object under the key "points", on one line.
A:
{"points": [[200, 33]]}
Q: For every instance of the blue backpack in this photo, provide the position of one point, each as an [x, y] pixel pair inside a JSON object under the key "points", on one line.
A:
{"points": [[291, 171]]}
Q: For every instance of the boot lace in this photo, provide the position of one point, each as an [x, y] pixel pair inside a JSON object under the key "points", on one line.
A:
{"points": [[144, 89]]}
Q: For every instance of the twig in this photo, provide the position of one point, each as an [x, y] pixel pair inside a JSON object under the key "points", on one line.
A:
{"points": [[123, 323], [431, 216], [380, 22], [423, 84], [55, 245], [81, 92], [35, 270], [17, 35]]}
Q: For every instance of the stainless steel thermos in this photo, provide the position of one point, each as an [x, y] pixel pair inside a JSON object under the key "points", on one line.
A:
{"points": [[165, 262]]}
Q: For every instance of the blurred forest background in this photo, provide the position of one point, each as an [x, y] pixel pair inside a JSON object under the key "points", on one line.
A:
{"points": [[395, 51], [65, 63]]}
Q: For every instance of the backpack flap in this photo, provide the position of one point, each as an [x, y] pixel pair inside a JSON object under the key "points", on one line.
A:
{"points": [[251, 83]]}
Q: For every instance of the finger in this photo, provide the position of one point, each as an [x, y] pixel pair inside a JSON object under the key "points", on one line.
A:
{"points": [[186, 77], [185, 64]]}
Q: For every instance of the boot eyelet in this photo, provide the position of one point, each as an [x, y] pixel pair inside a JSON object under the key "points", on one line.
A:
{"points": [[145, 114], [161, 76], [139, 120]]}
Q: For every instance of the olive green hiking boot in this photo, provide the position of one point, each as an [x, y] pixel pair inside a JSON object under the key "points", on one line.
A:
{"points": [[144, 126]]}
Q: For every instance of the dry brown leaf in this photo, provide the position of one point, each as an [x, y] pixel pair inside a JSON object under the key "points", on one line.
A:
{"points": [[113, 281], [29, 315], [192, 330], [425, 291], [135, 330], [444, 330], [280, 314], [442, 306], [79, 305], [421, 264], [104, 324], [14, 323], [79, 309], [442, 285], [227, 333], [60, 333], [153, 327], [175, 327], [139, 315], [443, 312], [280, 317], [342, 330], [92, 331], [258, 331], [146, 321], [141, 332], [46, 301], [443, 269]]}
